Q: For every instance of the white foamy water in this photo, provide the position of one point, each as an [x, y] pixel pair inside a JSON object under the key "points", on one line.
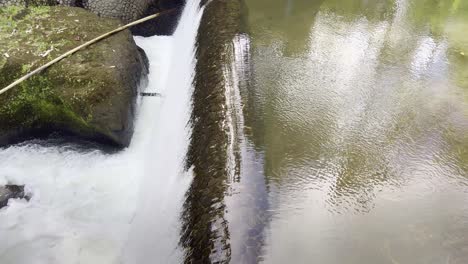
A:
{"points": [[90, 207]]}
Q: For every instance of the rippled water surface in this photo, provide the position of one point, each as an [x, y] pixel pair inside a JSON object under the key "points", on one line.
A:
{"points": [[356, 133]]}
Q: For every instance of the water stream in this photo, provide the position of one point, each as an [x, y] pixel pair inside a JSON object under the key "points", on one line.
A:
{"points": [[92, 207]]}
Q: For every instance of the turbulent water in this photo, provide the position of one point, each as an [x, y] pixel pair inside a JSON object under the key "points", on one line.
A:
{"points": [[91, 207]]}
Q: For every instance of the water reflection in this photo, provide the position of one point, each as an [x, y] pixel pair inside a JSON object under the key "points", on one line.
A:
{"points": [[359, 110], [270, 21], [247, 199]]}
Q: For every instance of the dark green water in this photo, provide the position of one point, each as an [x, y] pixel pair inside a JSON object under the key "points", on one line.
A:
{"points": [[356, 133]]}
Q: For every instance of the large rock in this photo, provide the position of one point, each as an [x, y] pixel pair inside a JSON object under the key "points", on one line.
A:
{"points": [[131, 10], [4, 3], [90, 94], [165, 23], [125, 10]]}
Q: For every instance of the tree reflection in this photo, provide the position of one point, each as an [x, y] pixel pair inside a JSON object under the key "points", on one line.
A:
{"points": [[285, 107]]}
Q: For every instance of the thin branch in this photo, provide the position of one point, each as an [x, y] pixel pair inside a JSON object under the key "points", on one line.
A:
{"points": [[68, 53]]}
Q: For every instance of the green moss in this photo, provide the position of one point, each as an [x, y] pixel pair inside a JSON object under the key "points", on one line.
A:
{"points": [[7, 24], [3, 60], [220, 23], [26, 68], [41, 10], [10, 11], [67, 94], [36, 103]]}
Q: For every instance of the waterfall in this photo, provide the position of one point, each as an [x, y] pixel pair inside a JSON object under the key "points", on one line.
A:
{"points": [[92, 207], [156, 225]]}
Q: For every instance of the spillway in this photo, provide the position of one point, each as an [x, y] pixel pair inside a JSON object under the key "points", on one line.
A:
{"points": [[92, 207]]}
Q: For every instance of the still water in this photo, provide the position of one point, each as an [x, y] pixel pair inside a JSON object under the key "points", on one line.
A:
{"points": [[356, 133]]}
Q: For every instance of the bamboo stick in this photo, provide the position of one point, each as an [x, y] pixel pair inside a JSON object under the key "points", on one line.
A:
{"points": [[70, 52]]}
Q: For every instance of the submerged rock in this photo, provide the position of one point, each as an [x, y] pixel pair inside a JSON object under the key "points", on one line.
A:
{"points": [[11, 192], [90, 95]]}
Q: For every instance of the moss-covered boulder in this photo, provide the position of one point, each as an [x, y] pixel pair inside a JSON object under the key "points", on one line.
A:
{"points": [[125, 10], [4, 3], [90, 94]]}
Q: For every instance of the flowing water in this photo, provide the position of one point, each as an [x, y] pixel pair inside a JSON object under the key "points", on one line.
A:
{"points": [[92, 207], [356, 133]]}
